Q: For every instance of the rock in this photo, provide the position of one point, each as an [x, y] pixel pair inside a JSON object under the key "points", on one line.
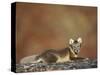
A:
{"points": [[75, 64]]}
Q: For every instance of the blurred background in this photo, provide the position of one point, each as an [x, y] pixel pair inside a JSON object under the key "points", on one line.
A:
{"points": [[40, 27]]}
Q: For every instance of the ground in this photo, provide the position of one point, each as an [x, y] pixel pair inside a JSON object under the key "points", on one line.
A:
{"points": [[75, 64]]}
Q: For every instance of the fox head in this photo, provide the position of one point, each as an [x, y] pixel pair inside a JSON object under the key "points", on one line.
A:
{"points": [[75, 45]]}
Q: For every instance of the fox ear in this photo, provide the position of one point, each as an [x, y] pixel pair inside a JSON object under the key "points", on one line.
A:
{"points": [[71, 41], [79, 40]]}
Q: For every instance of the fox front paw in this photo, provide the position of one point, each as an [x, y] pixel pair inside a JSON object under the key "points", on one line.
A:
{"points": [[86, 59]]}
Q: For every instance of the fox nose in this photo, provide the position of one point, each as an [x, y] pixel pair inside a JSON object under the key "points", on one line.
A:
{"points": [[76, 51]]}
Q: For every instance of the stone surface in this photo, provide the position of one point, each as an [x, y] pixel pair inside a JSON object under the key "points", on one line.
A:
{"points": [[75, 64]]}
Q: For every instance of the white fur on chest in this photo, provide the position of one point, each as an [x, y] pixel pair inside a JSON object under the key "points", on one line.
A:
{"points": [[63, 59]]}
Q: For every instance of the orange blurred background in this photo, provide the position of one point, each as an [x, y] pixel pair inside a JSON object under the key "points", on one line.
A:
{"points": [[41, 27]]}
